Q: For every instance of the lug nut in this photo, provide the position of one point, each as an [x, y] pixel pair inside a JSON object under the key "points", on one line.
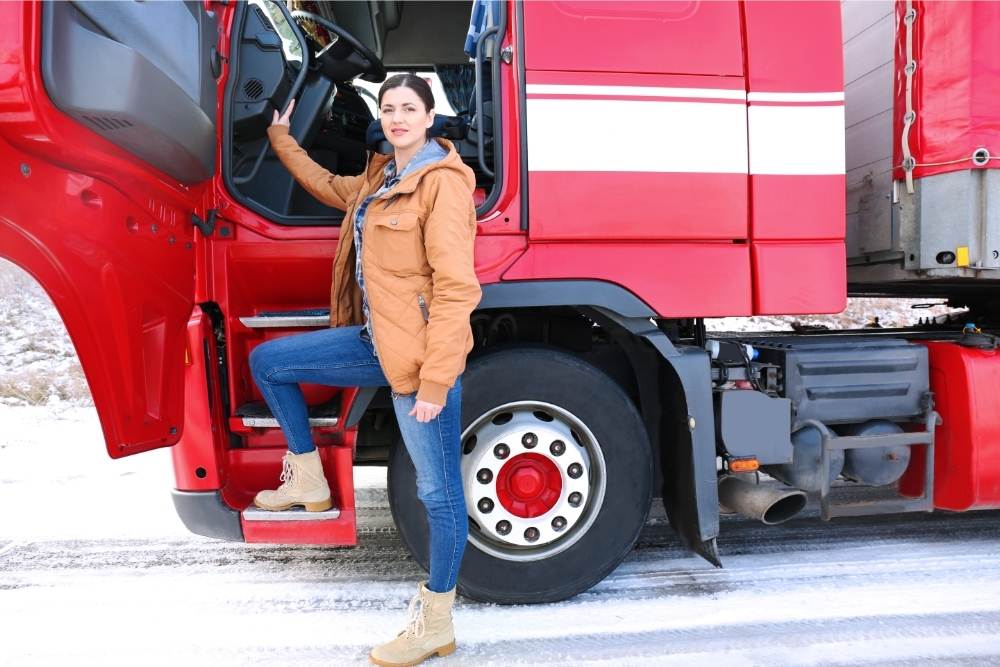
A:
{"points": [[503, 527], [531, 534], [575, 470], [485, 505], [558, 447], [558, 523], [484, 476], [575, 498], [529, 440], [501, 451]]}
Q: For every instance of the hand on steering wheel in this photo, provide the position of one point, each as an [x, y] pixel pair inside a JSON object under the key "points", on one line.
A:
{"points": [[285, 118]]}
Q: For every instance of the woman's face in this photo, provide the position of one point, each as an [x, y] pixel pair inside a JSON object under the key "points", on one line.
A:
{"points": [[404, 117]]}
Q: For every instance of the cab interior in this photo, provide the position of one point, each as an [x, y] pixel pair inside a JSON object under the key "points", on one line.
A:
{"points": [[320, 53]]}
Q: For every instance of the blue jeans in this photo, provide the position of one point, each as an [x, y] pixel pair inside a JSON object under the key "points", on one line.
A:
{"points": [[344, 357]]}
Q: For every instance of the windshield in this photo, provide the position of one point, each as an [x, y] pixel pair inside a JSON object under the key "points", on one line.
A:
{"points": [[440, 99], [289, 45]]}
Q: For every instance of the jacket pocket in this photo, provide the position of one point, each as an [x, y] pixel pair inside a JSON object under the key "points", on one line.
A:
{"points": [[395, 241]]}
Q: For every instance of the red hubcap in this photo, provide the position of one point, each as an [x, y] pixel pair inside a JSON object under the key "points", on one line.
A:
{"points": [[529, 485]]}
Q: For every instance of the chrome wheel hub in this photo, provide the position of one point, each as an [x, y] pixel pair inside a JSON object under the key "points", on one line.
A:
{"points": [[534, 479]]}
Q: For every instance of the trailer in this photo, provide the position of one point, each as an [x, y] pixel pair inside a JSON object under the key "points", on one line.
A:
{"points": [[641, 167]]}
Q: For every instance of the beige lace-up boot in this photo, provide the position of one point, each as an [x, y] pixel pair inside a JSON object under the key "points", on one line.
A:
{"points": [[303, 484], [428, 631]]}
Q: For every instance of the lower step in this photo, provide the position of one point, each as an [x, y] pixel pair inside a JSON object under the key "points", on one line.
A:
{"points": [[253, 513], [332, 527]]}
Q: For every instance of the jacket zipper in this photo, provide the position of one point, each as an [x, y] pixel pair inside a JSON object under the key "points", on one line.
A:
{"points": [[359, 258], [423, 308]]}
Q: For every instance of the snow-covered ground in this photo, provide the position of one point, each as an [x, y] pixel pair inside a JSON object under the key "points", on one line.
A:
{"points": [[95, 569]]}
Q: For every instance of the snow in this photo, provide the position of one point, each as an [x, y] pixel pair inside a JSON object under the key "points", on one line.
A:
{"points": [[92, 550]]}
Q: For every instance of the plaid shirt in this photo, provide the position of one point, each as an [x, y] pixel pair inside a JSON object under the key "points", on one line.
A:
{"points": [[430, 152]]}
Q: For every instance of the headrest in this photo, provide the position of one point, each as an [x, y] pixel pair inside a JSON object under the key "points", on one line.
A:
{"points": [[449, 127]]}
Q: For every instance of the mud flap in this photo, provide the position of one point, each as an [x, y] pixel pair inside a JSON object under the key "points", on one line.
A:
{"points": [[690, 493]]}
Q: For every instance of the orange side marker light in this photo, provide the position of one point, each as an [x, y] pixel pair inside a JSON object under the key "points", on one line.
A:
{"points": [[744, 464]]}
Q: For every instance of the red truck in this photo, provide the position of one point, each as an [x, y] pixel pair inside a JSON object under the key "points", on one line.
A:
{"points": [[641, 167]]}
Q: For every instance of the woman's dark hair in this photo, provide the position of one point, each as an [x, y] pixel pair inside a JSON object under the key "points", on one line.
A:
{"points": [[414, 83], [411, 81]]}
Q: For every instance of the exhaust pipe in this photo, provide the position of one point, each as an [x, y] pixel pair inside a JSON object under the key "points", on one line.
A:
{"points": [[769, 504]]}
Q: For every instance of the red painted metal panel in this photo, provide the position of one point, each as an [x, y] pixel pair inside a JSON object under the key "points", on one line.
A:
{"points": [[799, 278], [629, 36], [637, 205], [966, 386], [956, 86], [654, 79], [798, 207], [793, 46], [675, 279], [339, 532], [495, 253], [203, 444], [797, 183]]}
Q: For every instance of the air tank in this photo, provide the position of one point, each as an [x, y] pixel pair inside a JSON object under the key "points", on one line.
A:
{"points": [[877, 466], [804, 470]]}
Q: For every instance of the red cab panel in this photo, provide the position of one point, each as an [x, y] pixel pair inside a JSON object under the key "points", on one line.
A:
{"points": [[675, 279], [688, 37]]}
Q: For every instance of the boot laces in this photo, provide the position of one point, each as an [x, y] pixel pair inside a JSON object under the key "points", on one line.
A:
{"points": [[287, 473], [417, 611]]}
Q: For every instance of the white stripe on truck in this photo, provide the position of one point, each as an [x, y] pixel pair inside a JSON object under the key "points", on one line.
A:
{"points": [[577, 133]]}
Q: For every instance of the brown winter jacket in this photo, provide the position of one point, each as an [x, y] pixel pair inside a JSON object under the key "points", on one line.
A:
{"points": [[418, 242]]}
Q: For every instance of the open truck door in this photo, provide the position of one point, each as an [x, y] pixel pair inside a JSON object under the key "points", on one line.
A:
{"points": [[108, 134]]}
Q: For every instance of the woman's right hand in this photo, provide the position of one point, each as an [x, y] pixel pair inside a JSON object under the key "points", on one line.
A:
{"points": [[285, 118]]}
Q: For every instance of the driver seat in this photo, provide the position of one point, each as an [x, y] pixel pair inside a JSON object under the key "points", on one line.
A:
{"points": [[453, 128]]}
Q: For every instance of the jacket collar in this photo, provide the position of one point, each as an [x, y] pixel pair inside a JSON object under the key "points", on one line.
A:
{"points": [[431, 151], [409, 182]]}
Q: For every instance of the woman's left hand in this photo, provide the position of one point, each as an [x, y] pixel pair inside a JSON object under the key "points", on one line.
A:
{"points": [[425, 411]]}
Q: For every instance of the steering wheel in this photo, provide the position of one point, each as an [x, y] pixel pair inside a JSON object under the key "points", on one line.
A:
{"points": [[374, 70]]}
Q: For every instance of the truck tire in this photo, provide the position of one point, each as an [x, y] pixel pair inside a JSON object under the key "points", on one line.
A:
{"points": [[558, 472]]}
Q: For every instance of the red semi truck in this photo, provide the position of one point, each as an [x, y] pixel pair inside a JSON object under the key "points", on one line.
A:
{"points": [[641, 167]]}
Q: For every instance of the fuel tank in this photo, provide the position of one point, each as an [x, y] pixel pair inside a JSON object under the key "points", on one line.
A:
{"points": [[966, 386]]}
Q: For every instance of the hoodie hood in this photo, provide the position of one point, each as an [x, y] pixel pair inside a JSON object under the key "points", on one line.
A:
{"points": [[440, 155]]}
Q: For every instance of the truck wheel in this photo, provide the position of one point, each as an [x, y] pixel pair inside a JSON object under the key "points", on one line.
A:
{"points": [[558, 472]]}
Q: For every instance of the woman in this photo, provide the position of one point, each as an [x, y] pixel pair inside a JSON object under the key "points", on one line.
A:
{"points": [[403, 289]]}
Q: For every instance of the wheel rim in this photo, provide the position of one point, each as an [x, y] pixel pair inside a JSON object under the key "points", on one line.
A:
{"points": [[534, 478]]}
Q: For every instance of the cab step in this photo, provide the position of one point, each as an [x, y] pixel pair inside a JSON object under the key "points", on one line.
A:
{"points": [[257, 414], [333, 527], [288, 319], [254, 513]]}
